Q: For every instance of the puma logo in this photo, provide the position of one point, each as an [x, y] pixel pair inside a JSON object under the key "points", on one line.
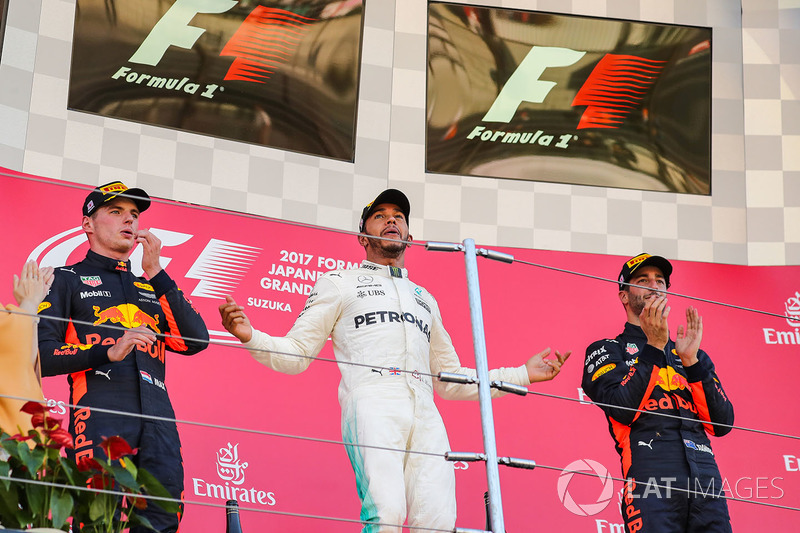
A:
{"points": [[648, 444], [101, 373], [378, 370]]}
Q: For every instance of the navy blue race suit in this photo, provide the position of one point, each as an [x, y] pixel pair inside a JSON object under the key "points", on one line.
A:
{"points": [[102, 291], [660, 454]]}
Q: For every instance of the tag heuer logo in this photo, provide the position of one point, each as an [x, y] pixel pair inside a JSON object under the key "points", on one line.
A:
{"points": [[92, 281]]}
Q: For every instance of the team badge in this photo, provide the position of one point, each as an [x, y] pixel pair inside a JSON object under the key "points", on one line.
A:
{"points": [[92, 281]]}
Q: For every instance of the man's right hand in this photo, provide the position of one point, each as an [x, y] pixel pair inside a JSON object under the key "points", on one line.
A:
{"points": [[140, 337], [235, 321], [653, 320]]}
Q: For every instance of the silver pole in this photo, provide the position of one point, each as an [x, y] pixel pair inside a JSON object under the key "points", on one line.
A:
{"points": [[484, 392]]}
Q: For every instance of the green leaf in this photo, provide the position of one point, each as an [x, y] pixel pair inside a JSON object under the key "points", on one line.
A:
{"points": [[32, 459], [124, 478], [98, 506], [138, 520], [129, 466], [5, 470], [154, 487], [73, 476], [9, 505], [61, 506], [37, 495]]}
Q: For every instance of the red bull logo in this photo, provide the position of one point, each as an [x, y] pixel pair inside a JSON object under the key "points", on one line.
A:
{"points": [[126, 315], [669, 380]]}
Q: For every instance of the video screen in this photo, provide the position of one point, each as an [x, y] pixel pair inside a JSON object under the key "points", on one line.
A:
{"points": [[275, 73], [568, 99]]}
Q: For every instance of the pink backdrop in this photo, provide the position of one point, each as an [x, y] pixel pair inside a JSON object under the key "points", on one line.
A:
{"points": [[526, 308]]}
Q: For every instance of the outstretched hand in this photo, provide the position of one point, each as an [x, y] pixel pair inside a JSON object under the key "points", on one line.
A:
{"points": [[542, 369], [235, 321], [688, 339]]}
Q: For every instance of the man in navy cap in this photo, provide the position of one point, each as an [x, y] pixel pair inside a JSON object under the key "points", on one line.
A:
{"points": [[391, 330], [121, 368], [673, 483]]}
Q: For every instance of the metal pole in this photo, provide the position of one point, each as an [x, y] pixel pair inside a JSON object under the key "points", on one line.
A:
{"points": [[484, 392]]}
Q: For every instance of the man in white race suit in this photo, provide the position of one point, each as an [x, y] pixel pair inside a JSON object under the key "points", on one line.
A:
{"points": [[380, 319]]}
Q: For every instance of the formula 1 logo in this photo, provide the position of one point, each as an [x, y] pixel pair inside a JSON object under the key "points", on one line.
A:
{"points": [[616, 87], [264, 41], [593, 469], [220, 267]]}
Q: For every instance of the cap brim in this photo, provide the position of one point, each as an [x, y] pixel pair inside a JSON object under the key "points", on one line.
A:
{"points": [[659, 262], [138, 196]]}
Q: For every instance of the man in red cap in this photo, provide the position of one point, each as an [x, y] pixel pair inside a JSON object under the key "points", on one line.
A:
{"points": [[392, 330], [121, 368], [673, 483]]}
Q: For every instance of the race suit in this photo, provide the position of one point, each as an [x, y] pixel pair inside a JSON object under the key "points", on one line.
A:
{"points": [[662, 455], [377, 317], [102, 291]]}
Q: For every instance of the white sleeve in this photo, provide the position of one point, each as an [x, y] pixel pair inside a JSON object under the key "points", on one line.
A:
{"points": [[445, 359], [307, 336]]}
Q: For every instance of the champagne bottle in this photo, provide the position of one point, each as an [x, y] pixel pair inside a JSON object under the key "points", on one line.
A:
{"points": [[233, 525], [488, 516]]}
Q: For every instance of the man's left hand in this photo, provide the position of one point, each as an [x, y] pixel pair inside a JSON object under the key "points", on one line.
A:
{"points": [[151, 252], [688, 340], [541, 369]]}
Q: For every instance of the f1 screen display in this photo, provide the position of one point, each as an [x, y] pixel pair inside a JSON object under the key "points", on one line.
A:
{"points": [[276, 73], [568, 99]]}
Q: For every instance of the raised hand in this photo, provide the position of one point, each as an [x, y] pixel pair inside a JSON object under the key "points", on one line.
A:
{"points": [[235, 321], [688, 340], [542, 369], [653, 320], [151, 252], [32, 285]]}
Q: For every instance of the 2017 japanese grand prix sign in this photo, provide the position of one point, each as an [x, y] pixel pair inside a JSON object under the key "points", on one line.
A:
{"points": [[280, 74], [545, 97]]}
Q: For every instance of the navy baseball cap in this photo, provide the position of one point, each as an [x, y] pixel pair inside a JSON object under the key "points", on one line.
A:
{"points": [[389, 196], [109, 191], [634, 263]]}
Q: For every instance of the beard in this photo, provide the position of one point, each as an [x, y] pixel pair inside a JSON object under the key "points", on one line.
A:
{"points": [[387, 248], [636, 302]]}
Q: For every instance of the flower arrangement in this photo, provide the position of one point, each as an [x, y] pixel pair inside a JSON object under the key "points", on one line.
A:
{"points": [[39, 487]]}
